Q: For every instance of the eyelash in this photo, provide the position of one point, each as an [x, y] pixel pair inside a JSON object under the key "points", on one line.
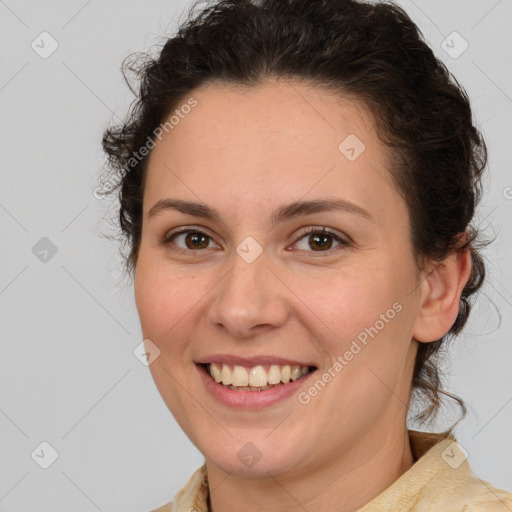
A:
{"points": [[308, 232]]}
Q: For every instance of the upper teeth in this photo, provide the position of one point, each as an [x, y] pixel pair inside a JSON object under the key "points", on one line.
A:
{"points": [[257, 376]]}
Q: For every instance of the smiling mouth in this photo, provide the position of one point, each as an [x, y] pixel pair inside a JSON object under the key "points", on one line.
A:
{"points": [[255, 378]]}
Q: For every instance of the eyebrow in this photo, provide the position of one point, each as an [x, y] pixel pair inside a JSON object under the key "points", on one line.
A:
{"points": [[280, 214]]}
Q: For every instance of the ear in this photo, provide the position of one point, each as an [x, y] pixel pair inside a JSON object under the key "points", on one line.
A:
{"points": [[440, 296]]}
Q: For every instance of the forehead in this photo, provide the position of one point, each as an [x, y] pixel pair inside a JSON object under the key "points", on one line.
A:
{"points": [[275, 141], [279, 113]]}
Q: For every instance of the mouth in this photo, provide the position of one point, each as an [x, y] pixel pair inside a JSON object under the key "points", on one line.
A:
{"points": [[260, 377]]}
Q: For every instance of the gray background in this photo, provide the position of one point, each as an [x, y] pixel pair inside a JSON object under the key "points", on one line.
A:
{"points": [[69, 327]]}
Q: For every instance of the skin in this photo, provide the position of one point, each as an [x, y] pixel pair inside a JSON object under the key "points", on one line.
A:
{"points": [[245, 152]]}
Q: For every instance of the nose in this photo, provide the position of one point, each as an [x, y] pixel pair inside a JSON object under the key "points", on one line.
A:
{"points": [[249, 300]]}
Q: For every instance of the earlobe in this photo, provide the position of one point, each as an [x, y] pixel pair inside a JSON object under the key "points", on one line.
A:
{"points": [[442, 289]]}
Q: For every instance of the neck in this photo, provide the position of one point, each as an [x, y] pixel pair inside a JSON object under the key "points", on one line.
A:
{"points": [[345, 481]]}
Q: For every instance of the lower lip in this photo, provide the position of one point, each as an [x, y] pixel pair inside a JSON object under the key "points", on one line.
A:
{"points": [[250, 399]]}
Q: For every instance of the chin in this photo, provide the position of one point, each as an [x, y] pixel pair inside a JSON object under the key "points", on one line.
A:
{"points": [[253, 455], [274, 465]]}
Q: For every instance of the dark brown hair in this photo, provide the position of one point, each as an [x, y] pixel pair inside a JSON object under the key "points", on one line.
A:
{"points": [[369, 51]]}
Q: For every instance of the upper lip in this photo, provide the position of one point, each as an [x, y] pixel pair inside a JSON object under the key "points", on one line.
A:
{"points": [[250, 361]]}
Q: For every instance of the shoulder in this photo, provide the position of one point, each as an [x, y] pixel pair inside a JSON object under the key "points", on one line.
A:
{"points": [[477, 495], [441, 479], [193, 496], [164, 508], [446, 480]]}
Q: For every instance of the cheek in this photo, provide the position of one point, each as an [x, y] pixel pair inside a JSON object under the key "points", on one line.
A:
{"points": [[167, 306], [349, 302], [366, 318], [367, 342], [165, 301]]}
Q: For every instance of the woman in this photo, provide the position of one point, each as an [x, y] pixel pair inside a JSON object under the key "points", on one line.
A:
{"points": [[297, 183]]}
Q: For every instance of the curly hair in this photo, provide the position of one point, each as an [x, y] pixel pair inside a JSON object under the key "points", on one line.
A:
{"points": [[370, 51]]}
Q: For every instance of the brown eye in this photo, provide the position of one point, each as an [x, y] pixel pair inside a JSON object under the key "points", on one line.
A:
{"points": [[192, 240], [320, 241]]}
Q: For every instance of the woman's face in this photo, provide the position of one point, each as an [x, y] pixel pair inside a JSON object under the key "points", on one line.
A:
{"points": [[248, 287]]}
